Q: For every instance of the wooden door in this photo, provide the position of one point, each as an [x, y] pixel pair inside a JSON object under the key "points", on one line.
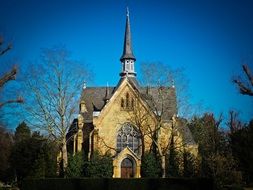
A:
{"points": [[127, 170]]}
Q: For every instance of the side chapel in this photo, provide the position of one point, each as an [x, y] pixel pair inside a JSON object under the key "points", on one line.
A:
{"points": [[108, 118]]}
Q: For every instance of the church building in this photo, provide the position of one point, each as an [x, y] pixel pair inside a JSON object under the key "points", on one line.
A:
{"points": [[128, 119]]}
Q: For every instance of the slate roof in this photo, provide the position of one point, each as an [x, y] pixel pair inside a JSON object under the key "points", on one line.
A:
{"points": [[94, 98], [127, 48], [132, 80], [185, 131], [161, 100]]}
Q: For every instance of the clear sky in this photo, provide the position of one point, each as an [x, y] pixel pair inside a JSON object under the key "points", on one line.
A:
{"points": [[208, 38]]}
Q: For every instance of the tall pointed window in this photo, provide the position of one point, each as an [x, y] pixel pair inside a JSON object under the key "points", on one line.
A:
{"points": [[122, 103], [127, 100], [132, 103], [128, 136]]}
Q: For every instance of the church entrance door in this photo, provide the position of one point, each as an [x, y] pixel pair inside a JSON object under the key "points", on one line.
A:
{"points": [[127, 168]]}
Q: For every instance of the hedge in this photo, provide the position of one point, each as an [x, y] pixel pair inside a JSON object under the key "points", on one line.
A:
{"points": [[118, 183]]}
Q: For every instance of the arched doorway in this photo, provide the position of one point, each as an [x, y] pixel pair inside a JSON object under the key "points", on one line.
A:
{"points": [[127, 168]]}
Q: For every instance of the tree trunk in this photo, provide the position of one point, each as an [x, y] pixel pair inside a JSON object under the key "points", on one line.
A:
{"points": [[64, 154], [163, 160], [142, 147]]}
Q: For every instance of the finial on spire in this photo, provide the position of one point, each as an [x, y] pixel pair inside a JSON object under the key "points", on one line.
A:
{"points": [[127, 12], [107, 93], [173, 83], [127, 48], [127, 59], [84, 85]]}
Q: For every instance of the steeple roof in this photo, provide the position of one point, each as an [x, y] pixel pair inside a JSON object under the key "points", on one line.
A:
{"points": [[127, 49], [107, 94]]}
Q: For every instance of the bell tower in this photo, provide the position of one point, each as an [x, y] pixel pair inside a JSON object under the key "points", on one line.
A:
{"points": [[127, 59]]}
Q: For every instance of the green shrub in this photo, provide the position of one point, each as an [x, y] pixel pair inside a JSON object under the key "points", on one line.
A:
{"points": [[75, 165], [99, 166], [150, 166]]}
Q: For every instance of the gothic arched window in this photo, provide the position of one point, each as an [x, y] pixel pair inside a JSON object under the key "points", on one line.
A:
{"points": [[128, 136], [132, 103], [122, 103], [127, 100]]}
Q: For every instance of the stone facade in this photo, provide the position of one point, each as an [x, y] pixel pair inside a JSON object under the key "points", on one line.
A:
{"points": [[109, 120]]}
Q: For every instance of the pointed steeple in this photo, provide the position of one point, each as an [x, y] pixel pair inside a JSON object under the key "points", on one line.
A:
{"points": [[107, 93], [127, 49], [127, 59]]}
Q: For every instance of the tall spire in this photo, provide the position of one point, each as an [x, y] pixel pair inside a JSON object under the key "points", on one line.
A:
{"points": [[107, 93], [127, 59], [127, 49]]}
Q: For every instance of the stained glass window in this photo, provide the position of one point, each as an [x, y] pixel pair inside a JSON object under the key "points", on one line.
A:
{"points": [[128, 136]]}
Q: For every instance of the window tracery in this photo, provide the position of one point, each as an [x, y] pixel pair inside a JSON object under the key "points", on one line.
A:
{"points": [[127, 103], [128, 137]]}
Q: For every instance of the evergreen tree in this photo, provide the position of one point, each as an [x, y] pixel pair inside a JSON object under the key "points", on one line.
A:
{"points": [[150, 166], [173, 162], [32, 155], [6, 143], [190, 165], [76, 165], [217, 161], [241, 141], [22, 132], [38, 169], [45, 164], [99, 166]]}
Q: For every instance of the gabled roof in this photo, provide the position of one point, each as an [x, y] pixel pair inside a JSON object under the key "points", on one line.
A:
{"points": [[185, 131], [127, 151], [132, 80], [94, 98], [161, 100]]}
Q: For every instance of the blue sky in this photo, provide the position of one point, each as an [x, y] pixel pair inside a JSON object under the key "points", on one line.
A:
{"points": [[208, 38]]}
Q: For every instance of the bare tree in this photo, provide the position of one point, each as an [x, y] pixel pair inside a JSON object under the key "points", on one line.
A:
{"points": [[156, 125], [245, 87], [52, 88], [8, 76], [159, 74], [234, 123], [156, 102]]}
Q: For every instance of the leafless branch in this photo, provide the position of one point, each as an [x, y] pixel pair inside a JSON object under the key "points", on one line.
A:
{"points": [[248, 73], [4, 50], [53, 87], [234, 124], [11, 75], [244, 88], [18, 100]]}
